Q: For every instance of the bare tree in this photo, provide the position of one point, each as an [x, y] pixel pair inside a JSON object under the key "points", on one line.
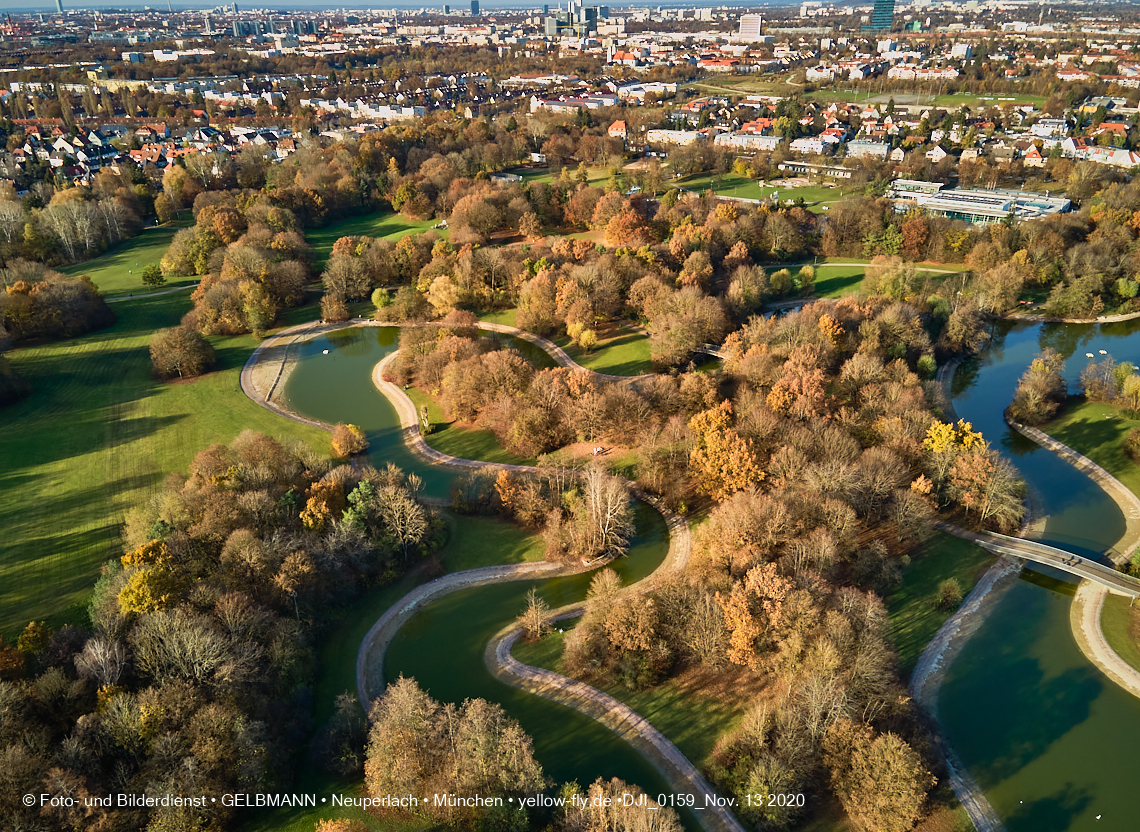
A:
{"points": [[535, 619], [103, 659], [179, 646], [605, 524], [12, 221], [404, 518]]}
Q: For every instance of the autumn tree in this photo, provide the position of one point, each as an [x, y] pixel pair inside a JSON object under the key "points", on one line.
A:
{"points": [[405, 520], [535, 619], [181, 351], [348, 440], [604, 808], [753, 611], [880, 780], [35, 637], [530, 226], [537, 305], [417, 745], [1041, 389], [721, 461]]}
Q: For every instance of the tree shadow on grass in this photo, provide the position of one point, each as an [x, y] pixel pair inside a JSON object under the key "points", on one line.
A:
{"points": [[41, 579], [86, 432], [233, 356], [829, 286]]}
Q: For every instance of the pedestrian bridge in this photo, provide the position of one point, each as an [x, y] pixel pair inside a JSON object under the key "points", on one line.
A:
{"points": [[1115, 582]]}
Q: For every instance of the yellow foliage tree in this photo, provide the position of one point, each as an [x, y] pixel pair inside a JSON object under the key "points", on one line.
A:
{"points": [[942, 437], [35, 637], [150, 589], [721, 461], [150, 553]]}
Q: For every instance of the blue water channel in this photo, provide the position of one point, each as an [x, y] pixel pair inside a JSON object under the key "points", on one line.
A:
{"points": [[1049, 738]]}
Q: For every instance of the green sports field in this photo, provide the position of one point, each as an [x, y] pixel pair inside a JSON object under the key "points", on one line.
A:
{"points": [[96, 437], [816, 197]]}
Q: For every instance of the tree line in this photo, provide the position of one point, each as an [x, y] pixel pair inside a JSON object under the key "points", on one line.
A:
{"points": [[822, 470], [194, 675]]}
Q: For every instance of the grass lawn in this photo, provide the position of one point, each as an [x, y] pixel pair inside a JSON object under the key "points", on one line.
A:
{"points": [[619, 352], [463, 441], [502, 316], [119, 271], [692, 721], [913, 617], [473, 542], [1098, 431], [837, 281], [1120, 623], [383, 224], [816, 197], [96, 438]]}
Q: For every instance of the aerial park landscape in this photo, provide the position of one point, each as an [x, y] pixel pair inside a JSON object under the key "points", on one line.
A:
{"points": [[580, 420]]}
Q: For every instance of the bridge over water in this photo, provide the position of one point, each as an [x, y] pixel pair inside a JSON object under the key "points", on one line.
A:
{"points": [[1115, 582]]}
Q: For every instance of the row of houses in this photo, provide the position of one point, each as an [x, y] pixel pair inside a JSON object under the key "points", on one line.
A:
{"points": [[81, 156]]}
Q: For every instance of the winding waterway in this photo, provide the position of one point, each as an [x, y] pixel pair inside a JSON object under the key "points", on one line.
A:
{"points": [[1045, 734], [442, 645]]}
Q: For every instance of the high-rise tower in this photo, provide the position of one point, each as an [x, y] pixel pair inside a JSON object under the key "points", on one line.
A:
{"points": [[882, 16], [59, 6]]}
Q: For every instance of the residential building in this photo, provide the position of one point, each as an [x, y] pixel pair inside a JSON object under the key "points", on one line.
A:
{"points": [[751, 26], [747, 141], [859, 148]]}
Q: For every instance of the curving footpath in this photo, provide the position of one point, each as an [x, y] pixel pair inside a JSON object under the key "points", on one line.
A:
{"points": [[662, 754], [681, 775], [1088, 604], [926, 679], [176, 289], [1084, 612], [654, 746]]}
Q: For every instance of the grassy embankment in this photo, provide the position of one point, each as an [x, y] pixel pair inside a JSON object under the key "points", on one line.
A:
{"points": [[913, 616], [1098, 431], [461, 440], [474, 542], [119, 272], [467, 441], [689, 716], [96, 438], [620, 351]]}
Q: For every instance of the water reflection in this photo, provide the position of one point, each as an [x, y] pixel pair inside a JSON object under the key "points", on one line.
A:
{"points": [[1048, 737]]}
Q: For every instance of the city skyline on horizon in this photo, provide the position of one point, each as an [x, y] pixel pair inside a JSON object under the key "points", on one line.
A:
{"points": [[405, 5]]}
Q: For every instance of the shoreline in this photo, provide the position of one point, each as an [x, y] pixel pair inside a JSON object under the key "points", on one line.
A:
{"points": [[629, 725], [926, 680], [1088, 604]]}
